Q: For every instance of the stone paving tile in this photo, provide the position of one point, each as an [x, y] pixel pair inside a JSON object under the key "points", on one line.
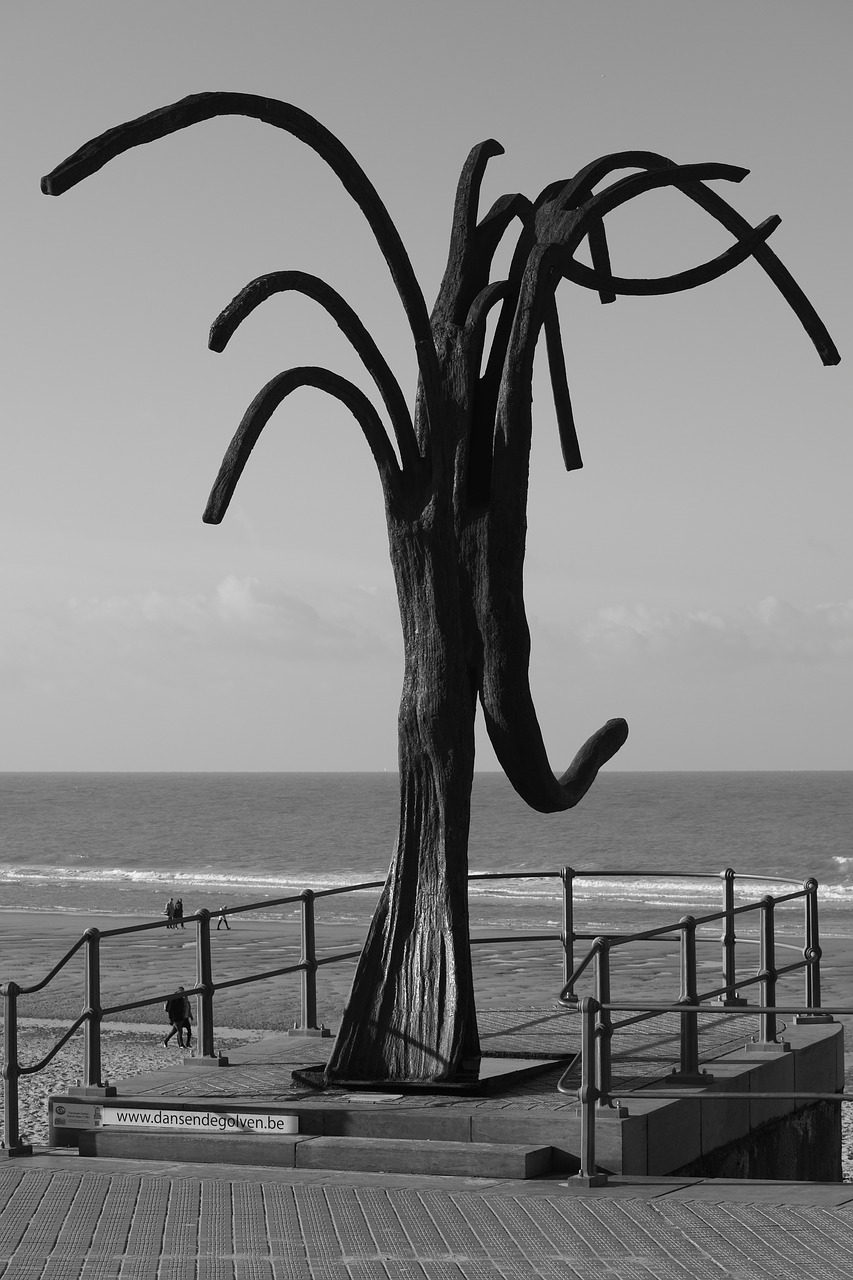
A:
{"points": [[270, 1081], [262, 1070], [77, 1223]]}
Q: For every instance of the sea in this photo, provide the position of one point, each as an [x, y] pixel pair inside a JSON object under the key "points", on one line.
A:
{"points": [[645, 848]]}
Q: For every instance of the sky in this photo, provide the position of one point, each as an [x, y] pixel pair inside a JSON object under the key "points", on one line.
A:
{"points": [[694, 576]]}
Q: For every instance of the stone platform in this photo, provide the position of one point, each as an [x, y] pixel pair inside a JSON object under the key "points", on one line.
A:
{"points": [[253, 1111]]}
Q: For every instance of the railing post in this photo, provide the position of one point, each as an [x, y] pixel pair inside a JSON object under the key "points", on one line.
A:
{"points": [[604, 1029], [813, 951], [11, 1136], [689, 995], [812, 956], [567, 934], [92, 997], [767, 1028], [767, 961], [204, 979], [309, 960], [308, 1004], [728, 939], [588, 1095]]}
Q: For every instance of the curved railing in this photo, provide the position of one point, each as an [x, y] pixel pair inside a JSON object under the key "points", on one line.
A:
{"points": [[93, 1012], [598, 1026], [593, 1097], [689, 996]]}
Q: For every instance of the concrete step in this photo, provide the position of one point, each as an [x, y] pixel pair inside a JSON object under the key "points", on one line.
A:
{"points": [[399, 1155], [296, 1151]]}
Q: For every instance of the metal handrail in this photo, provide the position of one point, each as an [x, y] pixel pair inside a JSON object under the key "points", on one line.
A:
{"points": [[591, 1096], [93, 1013], [677, 875], [623, 939], [663, 932], [520, 875], [34, 1067], [727, 940], [28, 991], [598, 1026]]}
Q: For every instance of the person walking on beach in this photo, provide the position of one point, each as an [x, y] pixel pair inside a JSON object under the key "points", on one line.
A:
{"points": [[223, 920], [180, 1015], [178, 913], [170, 913]]}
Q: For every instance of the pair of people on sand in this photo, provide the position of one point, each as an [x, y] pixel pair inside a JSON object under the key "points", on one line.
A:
{"points": [[175, 913], [180, 1015]]}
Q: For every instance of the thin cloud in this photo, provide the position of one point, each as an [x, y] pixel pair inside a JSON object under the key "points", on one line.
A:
{"points": [[236, 616], [242, 612], [774, 629]]}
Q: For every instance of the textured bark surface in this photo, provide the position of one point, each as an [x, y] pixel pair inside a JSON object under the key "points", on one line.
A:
{"points": [[455, 490], [411, 1012]]}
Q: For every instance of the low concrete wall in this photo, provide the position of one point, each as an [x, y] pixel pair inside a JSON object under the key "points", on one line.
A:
{"points": [[804, 1146], [705, 1133]]}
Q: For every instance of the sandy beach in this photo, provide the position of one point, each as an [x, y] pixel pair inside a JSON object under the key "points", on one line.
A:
{"points": [[149, 964]]}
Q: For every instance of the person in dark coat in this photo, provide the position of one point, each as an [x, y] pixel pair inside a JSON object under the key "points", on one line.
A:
{"points": [[180, 1015]]}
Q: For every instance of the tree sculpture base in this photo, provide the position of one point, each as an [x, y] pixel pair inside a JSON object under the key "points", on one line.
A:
{"points": [[488, 1075]]}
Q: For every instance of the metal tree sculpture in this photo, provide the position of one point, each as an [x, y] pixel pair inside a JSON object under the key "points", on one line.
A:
{"points": [[455, 499]]}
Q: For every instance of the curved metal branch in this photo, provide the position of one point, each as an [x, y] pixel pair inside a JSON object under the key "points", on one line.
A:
{"points": [[579, 190], [560, 387], [488, 390], [513, 396], [537, 308], [350, 325], [514, 732], [489, 233], [491, 228], [720, 209], [580, 274], [472, 243], [479, 465], [601, 260], [479, 310], [263, 406], [675, 176], [504, 692], [464, 272], [205, 106], [468, 192]]}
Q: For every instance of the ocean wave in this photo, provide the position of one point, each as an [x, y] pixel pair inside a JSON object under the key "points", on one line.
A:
{"points": [[664, 891], [171, 882]]}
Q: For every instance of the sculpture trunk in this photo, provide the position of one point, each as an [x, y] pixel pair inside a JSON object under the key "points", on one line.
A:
{"points": [[411, 1012]]}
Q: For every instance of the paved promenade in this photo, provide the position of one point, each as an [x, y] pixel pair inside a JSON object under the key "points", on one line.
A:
{"points": [[66, 1218]]}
